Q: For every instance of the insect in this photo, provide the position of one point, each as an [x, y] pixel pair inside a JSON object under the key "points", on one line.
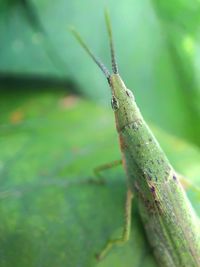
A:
{"points": [[171, 225]]}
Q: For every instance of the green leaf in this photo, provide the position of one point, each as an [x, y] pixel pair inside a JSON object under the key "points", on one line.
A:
{"points": [[50, 215]]}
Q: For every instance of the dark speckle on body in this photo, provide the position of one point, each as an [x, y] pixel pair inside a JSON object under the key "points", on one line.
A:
{"points": [[153, 189], [158, 161], [136, 124]]}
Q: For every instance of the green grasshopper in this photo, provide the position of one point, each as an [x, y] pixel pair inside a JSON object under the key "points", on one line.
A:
{"points": [[171, 225]]}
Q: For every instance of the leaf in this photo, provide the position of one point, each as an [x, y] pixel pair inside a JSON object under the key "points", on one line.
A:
{"points": [[50, 216]]}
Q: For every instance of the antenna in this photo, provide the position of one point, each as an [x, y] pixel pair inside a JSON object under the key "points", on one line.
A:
{"points": [[89, 52], [109, 29]]}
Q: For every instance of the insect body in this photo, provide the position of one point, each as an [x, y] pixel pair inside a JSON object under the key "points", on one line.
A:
{"points": [[170, 222]]}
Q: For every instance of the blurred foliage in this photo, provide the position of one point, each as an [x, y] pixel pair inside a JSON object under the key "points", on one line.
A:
{"points": [[157, 47], [51, 139]]}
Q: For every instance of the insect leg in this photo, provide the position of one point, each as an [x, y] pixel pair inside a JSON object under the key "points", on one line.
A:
{"points": [[126, 231], [98, 170]]}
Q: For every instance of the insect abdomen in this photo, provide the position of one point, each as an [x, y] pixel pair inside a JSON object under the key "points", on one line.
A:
{"points": [[169, 220]]}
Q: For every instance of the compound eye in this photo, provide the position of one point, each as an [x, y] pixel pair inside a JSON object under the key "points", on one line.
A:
{"points": [[114, 103]]}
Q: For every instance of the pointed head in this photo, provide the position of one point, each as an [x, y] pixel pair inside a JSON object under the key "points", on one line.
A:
{"points": [[122, 102], [122, 99]]}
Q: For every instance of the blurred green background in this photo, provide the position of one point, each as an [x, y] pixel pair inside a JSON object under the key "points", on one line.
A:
{"points": [[56, 124]]}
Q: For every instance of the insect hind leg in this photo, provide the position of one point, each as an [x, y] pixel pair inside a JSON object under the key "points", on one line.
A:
{"points": [[126, 230]]}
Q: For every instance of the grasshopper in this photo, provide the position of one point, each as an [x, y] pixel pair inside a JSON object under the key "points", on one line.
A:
{"points": [[171, 225]]}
